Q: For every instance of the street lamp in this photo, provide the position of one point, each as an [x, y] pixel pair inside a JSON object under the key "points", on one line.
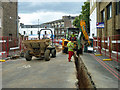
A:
{"points": [[38, 30]]}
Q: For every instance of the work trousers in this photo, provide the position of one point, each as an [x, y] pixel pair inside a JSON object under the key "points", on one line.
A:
{"points": [[71, 53]]}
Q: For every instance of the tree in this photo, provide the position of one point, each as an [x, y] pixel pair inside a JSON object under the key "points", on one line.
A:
{"points": [[76, 22], [85, 13]]}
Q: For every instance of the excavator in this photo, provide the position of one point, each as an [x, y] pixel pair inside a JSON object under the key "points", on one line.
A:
{"points": [[81, 36]]}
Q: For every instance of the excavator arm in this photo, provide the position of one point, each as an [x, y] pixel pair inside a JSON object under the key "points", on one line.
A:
{"points": [[83, 27]]}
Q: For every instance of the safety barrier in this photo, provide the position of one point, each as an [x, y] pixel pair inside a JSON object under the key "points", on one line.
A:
{"points": [[108, 46], [10, 46]]}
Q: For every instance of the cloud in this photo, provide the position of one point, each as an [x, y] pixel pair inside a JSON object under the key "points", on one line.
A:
{"points": [[49, 0], [32, 18], [66, 7], [30, 12]]}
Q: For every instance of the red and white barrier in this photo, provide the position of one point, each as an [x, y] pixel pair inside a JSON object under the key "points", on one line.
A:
{"points": [[9, 45], [108, 46]]}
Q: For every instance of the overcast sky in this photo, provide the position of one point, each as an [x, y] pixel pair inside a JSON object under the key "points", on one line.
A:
{"points": [[30, 12]]}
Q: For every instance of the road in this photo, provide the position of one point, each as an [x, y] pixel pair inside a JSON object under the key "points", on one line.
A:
{"points": [[56, 73]]}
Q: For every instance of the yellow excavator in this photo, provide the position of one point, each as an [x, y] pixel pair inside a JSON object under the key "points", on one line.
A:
{"points": [[80, 34]]}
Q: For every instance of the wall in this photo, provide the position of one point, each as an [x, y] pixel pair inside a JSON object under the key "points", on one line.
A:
{"points": [[9, 18], [0, 21], [93, 18], [117, 24]]}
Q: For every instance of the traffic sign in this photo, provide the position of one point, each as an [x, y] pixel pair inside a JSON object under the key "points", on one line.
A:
{"points": [[100, 25]]}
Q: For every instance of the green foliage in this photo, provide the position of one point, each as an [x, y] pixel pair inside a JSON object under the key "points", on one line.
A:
{"points": [[85, 13], [76, 22]]}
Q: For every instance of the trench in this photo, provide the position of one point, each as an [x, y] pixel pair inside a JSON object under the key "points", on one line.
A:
{"points": [[82, 74]]}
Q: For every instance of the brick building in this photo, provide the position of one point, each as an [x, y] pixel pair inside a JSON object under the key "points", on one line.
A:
{"points": [[60, 26], [109, 13], [8, 18], [8, 24]]}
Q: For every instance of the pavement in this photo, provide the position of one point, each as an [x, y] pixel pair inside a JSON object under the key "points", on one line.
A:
{"points": [[56, 73], [103, 73]]}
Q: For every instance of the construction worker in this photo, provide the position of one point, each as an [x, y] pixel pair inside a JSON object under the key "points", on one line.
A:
{"points": [[70, 46], [73, 36], [45, 36]]}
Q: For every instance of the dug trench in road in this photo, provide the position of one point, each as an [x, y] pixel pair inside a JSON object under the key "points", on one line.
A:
{"points": [[83, 76], [56, 73]]}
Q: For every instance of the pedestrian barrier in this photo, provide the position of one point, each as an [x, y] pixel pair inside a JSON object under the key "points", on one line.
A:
{"points": [[108, 46], [9, 46]]}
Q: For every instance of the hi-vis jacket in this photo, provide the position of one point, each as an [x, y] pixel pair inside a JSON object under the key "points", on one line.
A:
{"points": [[70, 46], [72, 35]]}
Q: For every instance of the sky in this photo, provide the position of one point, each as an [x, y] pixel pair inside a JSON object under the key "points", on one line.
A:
{"points": [[30, 12]]}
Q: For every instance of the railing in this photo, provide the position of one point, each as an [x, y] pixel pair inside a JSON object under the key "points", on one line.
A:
{"points": [[108, 46]]}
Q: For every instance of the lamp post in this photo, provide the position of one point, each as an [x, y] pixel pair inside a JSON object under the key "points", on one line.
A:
{"points": [[38, 30]]}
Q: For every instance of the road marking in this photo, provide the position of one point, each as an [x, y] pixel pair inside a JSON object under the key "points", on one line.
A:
{"points": [[107, 67], [24, 66], [2, 60]]}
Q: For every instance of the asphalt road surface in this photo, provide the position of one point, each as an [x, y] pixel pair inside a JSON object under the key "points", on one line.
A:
{"points": [[56, 73]]}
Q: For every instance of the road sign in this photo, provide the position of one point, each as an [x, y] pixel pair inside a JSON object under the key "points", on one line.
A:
{"points": [[100, 25]]}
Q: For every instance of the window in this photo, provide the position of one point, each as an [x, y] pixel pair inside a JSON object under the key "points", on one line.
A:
{"points": [[63, 32], [117, 8], [31, 33], [10, 36], [24, 32], [54, 32], [109, 11], [103, 15]]}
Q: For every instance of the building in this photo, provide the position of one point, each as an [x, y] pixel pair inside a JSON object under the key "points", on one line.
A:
{"points": [[8, 24], [109, 14], [93, 19], [31, 32], [8, 18], [60, 26], [1, 17]]}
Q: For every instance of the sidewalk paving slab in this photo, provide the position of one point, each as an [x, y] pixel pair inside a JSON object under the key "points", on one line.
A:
{"points": [[100, 75]]}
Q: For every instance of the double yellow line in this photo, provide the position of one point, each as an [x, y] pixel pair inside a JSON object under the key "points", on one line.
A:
{"points": [[2, 60]]}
